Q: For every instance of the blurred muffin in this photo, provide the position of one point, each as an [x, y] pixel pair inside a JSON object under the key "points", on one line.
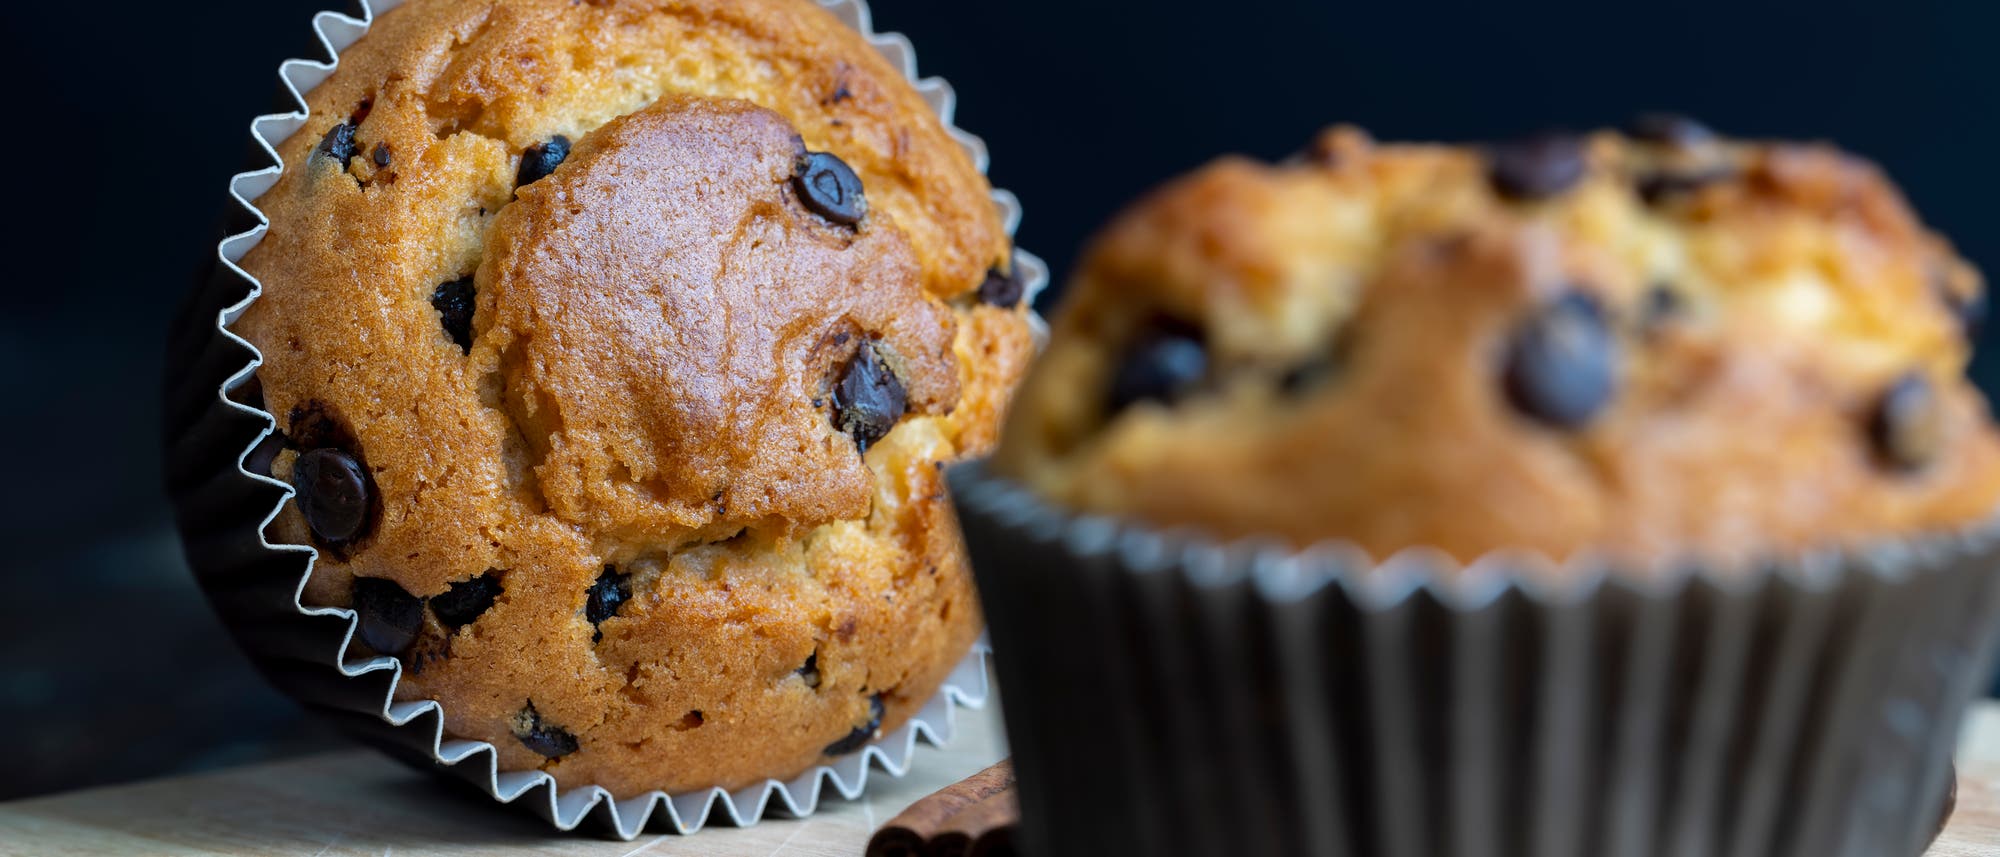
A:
{"points": [[1613, 494], [616, 349], [1651, 343]]}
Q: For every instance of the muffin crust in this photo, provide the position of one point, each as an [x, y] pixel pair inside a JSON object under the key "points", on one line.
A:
{"points": [[556, 278], [1654, 344]]}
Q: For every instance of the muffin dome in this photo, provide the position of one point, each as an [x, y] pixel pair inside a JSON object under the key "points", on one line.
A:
{"points": [[1651, 344], [616, 349]]}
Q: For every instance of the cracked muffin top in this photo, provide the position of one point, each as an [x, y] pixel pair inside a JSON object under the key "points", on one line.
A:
{"points": [[615, 350], [1650, 344]]}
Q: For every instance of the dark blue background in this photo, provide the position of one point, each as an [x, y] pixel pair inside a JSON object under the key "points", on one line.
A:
{"points": [[127, 118]]}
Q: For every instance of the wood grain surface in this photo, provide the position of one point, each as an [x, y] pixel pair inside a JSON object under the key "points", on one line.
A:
{"points": [[357, 802]]}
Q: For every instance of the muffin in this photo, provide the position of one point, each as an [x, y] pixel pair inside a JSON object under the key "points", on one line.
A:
{"points": [[1555, 345], [615, 351], [1557, 496]]}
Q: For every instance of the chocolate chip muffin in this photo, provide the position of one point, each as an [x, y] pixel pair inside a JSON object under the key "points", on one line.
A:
{"points": [[616, 350], [1649, 343], [1599, 494]]}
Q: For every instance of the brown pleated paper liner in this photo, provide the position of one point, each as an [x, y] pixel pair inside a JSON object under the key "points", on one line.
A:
{"points": [[1170, 695]]}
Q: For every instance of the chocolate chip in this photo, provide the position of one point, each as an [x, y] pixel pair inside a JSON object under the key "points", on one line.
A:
{"points": [[830, 188], [1561, 362], [338, 143], [1670, 129], [390, 616], [810, 672], [1660, 305], [455, 302], [1907, 424], [1306, 376], [1972, 312], [1322, 151], [428, 650], [549, 740], [312, 425], [1665, 184], [1167, 361], [381, 154], [1003, 288], [541, 159], [861, 735], [1971, 309], [334, 494], [1536, 167], [605, 597], [868, 399], [466, 600]]}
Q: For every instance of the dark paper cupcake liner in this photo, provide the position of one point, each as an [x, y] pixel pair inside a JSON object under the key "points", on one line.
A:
{"points": [[212, 422], [1171, 695]]}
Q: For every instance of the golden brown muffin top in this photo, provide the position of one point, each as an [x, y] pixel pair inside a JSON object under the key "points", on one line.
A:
{"points": [[1652, 344], [670, 319], [648, 370]]}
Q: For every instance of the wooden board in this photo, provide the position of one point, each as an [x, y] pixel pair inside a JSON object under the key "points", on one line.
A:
{"points": [[354, 803], [358, 802]]}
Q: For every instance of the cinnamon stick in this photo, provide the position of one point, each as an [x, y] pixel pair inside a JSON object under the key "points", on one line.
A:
{"points": [[973, 817]]}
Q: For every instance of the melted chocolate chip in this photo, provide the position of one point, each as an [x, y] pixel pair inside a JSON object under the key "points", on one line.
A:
{"points": [[547, 739], [810, 672], [334, 494], [428, 650], [868, 399], [861, 735], [390, 616], [541, 159], [1660, 305], [1537, 167], [338, 143], [1164, 364], [830, 188], [1321, 150], [1970, 309], [1906, 427], [381, 154], [466, 600], [1663, 185], [1003, 288], [313, 425], [605, 597], [1306, 376], [1671, 129], [1561, 362], [455, 302]]}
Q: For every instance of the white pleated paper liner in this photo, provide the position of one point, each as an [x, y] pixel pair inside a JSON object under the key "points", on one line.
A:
{"points": [[255, 586], [1243, 699]]}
